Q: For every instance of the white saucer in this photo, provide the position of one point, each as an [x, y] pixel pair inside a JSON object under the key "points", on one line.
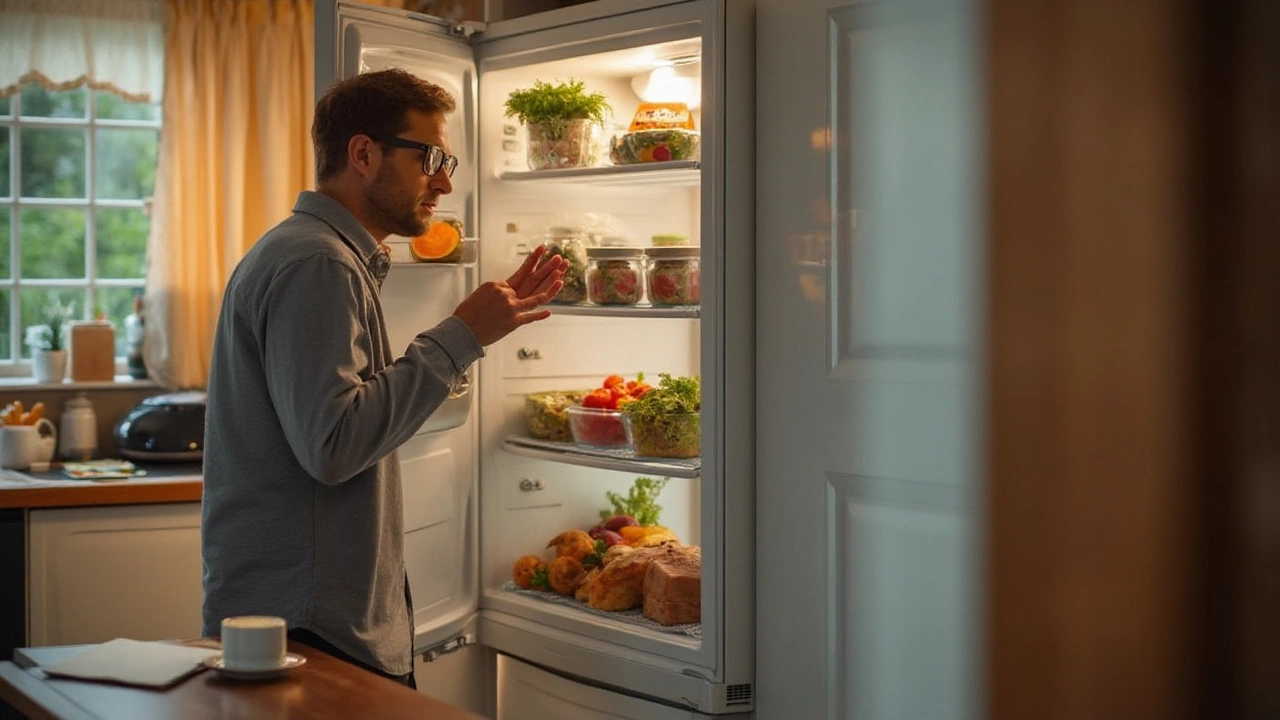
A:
{"points": [[291, 661]]}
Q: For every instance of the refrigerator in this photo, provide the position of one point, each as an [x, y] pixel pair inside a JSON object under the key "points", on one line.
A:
{"points": [[479, 492]]}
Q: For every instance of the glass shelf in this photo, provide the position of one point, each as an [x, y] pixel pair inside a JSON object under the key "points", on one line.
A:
{"points": [[686, 173], [679, 311], [603, 458]]}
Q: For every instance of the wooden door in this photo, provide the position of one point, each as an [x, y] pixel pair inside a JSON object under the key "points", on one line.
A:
{"points": [[1133, 548]]}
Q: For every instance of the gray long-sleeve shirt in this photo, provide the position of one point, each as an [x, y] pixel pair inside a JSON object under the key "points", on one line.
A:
{"points": [[302, 514]]}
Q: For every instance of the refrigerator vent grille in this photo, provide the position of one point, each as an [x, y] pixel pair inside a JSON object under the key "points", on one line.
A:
{"points": [[738, 694]]}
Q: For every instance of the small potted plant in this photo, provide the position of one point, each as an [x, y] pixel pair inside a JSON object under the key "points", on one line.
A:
{"points": [[561, 120], [48, 349]]}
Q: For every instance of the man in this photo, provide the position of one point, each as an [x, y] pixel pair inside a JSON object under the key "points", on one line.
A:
{"points": [[307, 403]]}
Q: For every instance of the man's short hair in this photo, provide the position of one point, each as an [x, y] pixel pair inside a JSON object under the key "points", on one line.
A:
{"points": [[376, 103]]}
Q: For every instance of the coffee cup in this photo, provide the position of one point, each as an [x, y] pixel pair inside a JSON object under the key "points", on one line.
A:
{"points": [[23, 445], [253, 642]]}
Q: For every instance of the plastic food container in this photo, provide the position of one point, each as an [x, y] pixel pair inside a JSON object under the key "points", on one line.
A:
{"points": [[674, 275], [597, 427], [547, 413], [567, 243], [615, 276], [669, 436]]}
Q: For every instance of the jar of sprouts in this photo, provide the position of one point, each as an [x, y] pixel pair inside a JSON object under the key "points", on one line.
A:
{"points": [[674, 275]]}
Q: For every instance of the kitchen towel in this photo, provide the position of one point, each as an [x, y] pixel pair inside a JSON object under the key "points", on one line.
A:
{"points": [[133, 662]]}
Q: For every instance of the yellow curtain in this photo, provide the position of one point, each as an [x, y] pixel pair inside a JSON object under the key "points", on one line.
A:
{"points": [[234, 153]]}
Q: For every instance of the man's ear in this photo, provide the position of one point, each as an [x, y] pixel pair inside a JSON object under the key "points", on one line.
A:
{"points": [[362, 154]]}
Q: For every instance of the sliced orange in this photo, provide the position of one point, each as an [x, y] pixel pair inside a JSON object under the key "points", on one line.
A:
{"points": [[442, 242]]}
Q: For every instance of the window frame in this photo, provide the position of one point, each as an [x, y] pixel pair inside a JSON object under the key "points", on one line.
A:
{"points": [[14, 202]]}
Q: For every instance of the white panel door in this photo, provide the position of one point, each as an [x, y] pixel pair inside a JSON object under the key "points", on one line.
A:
{"points": [[868, 244]]}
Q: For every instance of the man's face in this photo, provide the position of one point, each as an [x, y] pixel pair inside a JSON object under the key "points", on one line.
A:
{"points": [[402, 198]]}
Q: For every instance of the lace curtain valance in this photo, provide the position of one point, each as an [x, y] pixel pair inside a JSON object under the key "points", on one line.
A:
{"points": [[115, 45]]}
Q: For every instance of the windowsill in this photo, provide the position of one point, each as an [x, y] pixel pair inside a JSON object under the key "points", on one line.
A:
{"points": [[121, 382]]}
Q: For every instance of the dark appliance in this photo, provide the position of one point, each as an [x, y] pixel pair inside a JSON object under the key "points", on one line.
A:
{"points": [[164, 428]]}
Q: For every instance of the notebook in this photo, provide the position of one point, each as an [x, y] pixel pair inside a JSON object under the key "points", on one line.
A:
{"points": [[133, 662]]}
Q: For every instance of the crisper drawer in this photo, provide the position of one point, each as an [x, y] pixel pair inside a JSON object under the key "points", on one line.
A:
{"points": [[526, 692], [569, 346]]}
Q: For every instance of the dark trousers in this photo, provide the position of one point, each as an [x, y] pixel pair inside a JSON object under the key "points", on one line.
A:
{"points": [[310, 639]]}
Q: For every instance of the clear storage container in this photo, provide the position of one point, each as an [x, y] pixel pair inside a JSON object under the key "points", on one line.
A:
{"points": [[615, 276], [674, 275], [568, 243]]}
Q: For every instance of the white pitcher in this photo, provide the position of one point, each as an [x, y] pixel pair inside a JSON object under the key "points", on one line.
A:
{"points": [[22, 445]]}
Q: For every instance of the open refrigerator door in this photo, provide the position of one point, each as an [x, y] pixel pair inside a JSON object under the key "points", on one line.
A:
{"points": [[438, 465]]}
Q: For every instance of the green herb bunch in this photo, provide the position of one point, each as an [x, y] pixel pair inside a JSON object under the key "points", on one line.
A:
{"points": [[552, 105], [640, 503], [673, 396]]}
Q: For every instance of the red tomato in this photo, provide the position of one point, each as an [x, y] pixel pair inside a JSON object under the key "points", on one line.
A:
{"points": [[597, 399], [613, 381], [631, 385]]}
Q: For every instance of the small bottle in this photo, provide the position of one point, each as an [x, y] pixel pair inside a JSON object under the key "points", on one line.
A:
{"points": [[134, 331], [78, 430]]}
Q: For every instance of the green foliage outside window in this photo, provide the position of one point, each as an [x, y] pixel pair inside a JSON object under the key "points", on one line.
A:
{"points": [[52, 238]]}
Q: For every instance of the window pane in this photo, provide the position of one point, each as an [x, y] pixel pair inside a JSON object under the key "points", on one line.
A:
{"points": [[52, 242], [122, 242], [38, 102], [126, 163], [34, 303], [4, 244], [4, 162], [117, 303], [53, 163], [5, 108], [6, 342], [110, 106]]}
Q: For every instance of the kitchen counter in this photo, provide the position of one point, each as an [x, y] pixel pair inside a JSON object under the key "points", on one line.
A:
{"points": [[161, 484]]}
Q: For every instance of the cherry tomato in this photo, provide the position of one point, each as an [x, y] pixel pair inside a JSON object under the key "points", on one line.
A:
{"points": [[613, 381], [597, 399]]}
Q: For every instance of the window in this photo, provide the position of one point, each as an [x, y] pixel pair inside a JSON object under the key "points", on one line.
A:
{"points": [[77, 169]]}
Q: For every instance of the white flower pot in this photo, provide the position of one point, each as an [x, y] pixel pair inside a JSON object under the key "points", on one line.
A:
{"points": [[49, 366]]}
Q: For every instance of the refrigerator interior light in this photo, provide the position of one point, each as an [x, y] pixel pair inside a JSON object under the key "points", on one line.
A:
{"points": [[672, 81]]}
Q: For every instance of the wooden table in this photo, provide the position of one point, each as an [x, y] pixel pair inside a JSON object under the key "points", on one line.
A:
{"points": [[324, 687]]}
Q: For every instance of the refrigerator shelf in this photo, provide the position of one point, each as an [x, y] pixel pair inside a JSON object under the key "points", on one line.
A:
{"points": [[603, 458], [678, 311], [629, 617], [686, 173]]}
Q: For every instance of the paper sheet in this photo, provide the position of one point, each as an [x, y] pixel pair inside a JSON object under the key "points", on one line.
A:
{"points": [[133, 662]]}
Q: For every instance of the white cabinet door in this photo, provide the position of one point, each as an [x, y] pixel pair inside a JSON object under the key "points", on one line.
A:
{"points": [[99, 573], [868, 240]]}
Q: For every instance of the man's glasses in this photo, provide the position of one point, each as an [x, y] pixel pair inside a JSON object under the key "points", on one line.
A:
{"points": [[433, 158]]}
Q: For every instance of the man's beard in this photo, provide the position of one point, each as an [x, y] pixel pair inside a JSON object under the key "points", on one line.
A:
{"points": [[394, 211]]}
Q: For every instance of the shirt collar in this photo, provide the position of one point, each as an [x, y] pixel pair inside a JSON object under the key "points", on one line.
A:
{"points": [[375, 256]]}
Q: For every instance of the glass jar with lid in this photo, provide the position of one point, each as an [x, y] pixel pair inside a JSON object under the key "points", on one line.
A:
{"points": [[674, 275], [615, 275], [568, 243]]}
